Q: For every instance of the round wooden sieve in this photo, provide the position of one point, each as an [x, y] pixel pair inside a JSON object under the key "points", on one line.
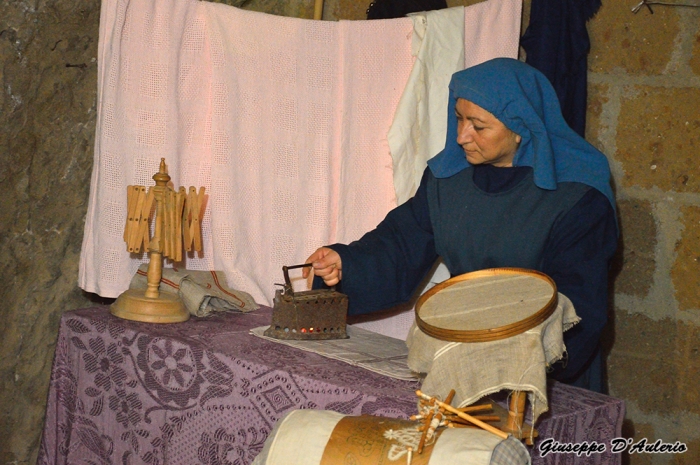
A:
{"points": [[486, 305]]}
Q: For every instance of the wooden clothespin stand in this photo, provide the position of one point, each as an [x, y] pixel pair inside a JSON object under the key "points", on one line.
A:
{"points": [[177, 214]]}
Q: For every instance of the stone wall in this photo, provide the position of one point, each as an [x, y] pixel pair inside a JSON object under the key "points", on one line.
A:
{"points": [[643, 113], [47, 116]]}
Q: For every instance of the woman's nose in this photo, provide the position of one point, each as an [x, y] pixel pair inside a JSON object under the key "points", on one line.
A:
{"points": [[464, 133]]}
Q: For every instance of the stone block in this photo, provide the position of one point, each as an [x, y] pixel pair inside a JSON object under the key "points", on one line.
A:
{"points": [[655, 364], [634, 262], [294, 9], [694, 62], [658, 138], [648, 382], [349, 9], [597, 99], [685, 272], [639, 43], [691, 457], [688, 363], [638, 365], [639, 431]]}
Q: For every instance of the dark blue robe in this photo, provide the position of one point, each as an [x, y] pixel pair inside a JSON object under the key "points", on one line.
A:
{"points": [[385, 267]]}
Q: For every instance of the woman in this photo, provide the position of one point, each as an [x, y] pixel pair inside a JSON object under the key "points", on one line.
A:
{"points": [[514, 187]]}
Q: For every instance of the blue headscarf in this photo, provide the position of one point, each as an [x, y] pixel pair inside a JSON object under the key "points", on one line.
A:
{"points": [[523, 99]]}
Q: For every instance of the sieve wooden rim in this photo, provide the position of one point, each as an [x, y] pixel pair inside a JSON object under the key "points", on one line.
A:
{"points": [[491, 334]]}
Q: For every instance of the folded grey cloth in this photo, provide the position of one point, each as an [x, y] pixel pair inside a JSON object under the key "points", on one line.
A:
{"points": [[202, 292]]}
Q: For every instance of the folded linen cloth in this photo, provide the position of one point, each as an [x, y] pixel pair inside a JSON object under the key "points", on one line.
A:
{"points": [[202, 292], [372, 351]]}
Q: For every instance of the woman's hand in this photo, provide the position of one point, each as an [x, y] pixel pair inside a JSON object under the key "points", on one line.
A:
{"points": [[326, 264]]}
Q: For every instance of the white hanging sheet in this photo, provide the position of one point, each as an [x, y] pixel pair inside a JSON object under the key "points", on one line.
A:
{"points": [[284, 121]]}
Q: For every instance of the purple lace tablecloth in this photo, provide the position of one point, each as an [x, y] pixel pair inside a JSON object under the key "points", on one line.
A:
{"points": [[207, 392]]}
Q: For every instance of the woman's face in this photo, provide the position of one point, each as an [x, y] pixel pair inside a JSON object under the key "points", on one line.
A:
{"points": [[483, 137]]}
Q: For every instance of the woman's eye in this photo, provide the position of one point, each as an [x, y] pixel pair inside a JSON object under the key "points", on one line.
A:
{"points": [[477, 128]]}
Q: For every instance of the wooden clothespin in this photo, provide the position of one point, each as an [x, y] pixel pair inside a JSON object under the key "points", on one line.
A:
{"points": [[179, 212], [139, 205], [194, 206]]}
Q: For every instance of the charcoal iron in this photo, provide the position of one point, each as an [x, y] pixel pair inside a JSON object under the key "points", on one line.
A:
{"points": [[319, 314]]}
